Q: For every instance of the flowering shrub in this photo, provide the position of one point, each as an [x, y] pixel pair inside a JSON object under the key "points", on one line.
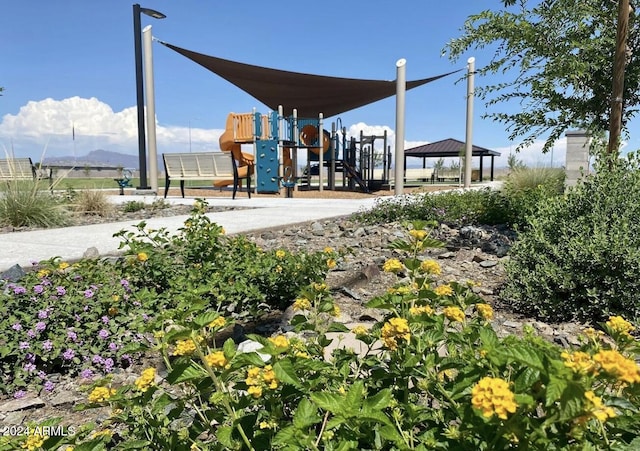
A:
{"points": [[92, 317], [432, 374]]}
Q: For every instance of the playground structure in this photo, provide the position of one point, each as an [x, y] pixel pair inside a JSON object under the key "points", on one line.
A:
{"points": [[277, 141]]}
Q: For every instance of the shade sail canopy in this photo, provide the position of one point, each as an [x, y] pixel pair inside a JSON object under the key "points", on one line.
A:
{"points": [[309, 94]]}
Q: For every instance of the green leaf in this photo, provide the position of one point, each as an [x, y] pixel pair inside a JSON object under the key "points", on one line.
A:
{"points": [[305, 415], [555, 388], [379, 401], [285, 372], [134, 444], [229, 348], [224, 436], [379, 302], [523, 355], [572, 401], [488, 337], [391, 433], [205, 318], [412, 263], [353, 400], [185, 372], [330, 402], [285, 436], [246, 359], [337, 327]]}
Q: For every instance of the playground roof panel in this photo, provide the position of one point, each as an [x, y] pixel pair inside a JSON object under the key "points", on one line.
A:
{"points": [[309, 94], [447, 148]]}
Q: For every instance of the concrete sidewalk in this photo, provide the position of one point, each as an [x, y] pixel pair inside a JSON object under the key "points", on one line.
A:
{"points": [[70, 243]]}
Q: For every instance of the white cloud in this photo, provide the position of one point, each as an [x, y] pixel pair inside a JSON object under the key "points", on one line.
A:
{"points": [[50, 125], [532, 155]]}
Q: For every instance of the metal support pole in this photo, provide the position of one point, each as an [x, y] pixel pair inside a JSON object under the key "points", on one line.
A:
{"points": [[469, 134], [142, 147], [401, 87], [151, 108], [321, 155]]}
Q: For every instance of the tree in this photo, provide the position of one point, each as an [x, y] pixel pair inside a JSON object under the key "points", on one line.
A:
{"points": [[557, 58]]}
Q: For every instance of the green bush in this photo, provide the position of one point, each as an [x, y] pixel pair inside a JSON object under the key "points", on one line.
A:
{"points": [[132, 206], [484, 206], [580, 256], [30, 204]]}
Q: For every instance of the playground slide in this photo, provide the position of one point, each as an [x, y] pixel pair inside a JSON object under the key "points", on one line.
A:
{"points": [[228, 144], [355, 176]]}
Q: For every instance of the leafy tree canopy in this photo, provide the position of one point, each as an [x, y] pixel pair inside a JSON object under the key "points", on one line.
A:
{"points": [[556, 57]]}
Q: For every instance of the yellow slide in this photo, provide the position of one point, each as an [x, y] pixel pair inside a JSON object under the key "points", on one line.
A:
{"points": [[228, 143]]}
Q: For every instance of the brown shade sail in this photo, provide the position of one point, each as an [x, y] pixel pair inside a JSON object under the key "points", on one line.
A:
{"points": [[309, 94]]}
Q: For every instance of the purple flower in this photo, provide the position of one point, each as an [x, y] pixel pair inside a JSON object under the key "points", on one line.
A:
{"points": [[19, 394], [46, 282], [48, 386], [68, 354], [127, 358], [17, 326], [29, 367], [61, 291], [88, 294], [113, 346], [38, 289], [97, 360], [40, 326], [124, 283], [19, 290], [24, 345], [77, 317], [30, 357], [86, 308], [47, 345], [43, 314], [105, 319], [108, 365], [145, 317], [42, 375], [71, 335], [137, 303], [103, 334], [86, 374], [31, 334]]}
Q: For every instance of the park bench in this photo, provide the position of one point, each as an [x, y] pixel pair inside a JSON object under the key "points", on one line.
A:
{"points": [[219, 167], [419, 174], [23, 169]]}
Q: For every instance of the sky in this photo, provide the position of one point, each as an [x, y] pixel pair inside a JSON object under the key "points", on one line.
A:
{"points": [[68, 70]]}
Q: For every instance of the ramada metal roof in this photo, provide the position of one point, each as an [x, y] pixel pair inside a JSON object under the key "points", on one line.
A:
{"points": [[447, 148]]}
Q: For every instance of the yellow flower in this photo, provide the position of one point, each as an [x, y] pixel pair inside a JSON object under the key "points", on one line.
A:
{"points": [[216, 359], [255, 391], [43, 273], [430, 267], [69, 448], [402, 290], [443, 290], [253, 374], [620, 325], [219, 322], [115, 298], [222, 231], [418, 234], [142, 257], [448, 374], [101, 433], [303, 355], [454, 314], [360, 330], [101, 394], [393, 330], [485, 311], [615, 364], [269, 377], [184, 347], [63, 265], [146, 380], [264, 425], [320, 286], [331, 263], [392, 265], [596, 408], [578, 362], [34, 442], [279, 341], [280, 253], [336, 311], [301, 304], [425, 309], [492, 396]]}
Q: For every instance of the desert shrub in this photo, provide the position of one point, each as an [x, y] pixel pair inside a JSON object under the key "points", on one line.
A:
{"points": [[92, 202], [30, 204], [132, 206], [580, 256], [454, 207]]}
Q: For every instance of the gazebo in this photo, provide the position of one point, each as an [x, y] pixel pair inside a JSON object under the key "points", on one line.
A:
{"points": [[449, 148]]}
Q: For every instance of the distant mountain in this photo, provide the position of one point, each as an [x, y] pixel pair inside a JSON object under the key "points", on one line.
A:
{"points": [[98, 157]]}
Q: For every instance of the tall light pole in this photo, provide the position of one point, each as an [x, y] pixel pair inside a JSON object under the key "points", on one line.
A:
{"points": [[137, 34]]}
